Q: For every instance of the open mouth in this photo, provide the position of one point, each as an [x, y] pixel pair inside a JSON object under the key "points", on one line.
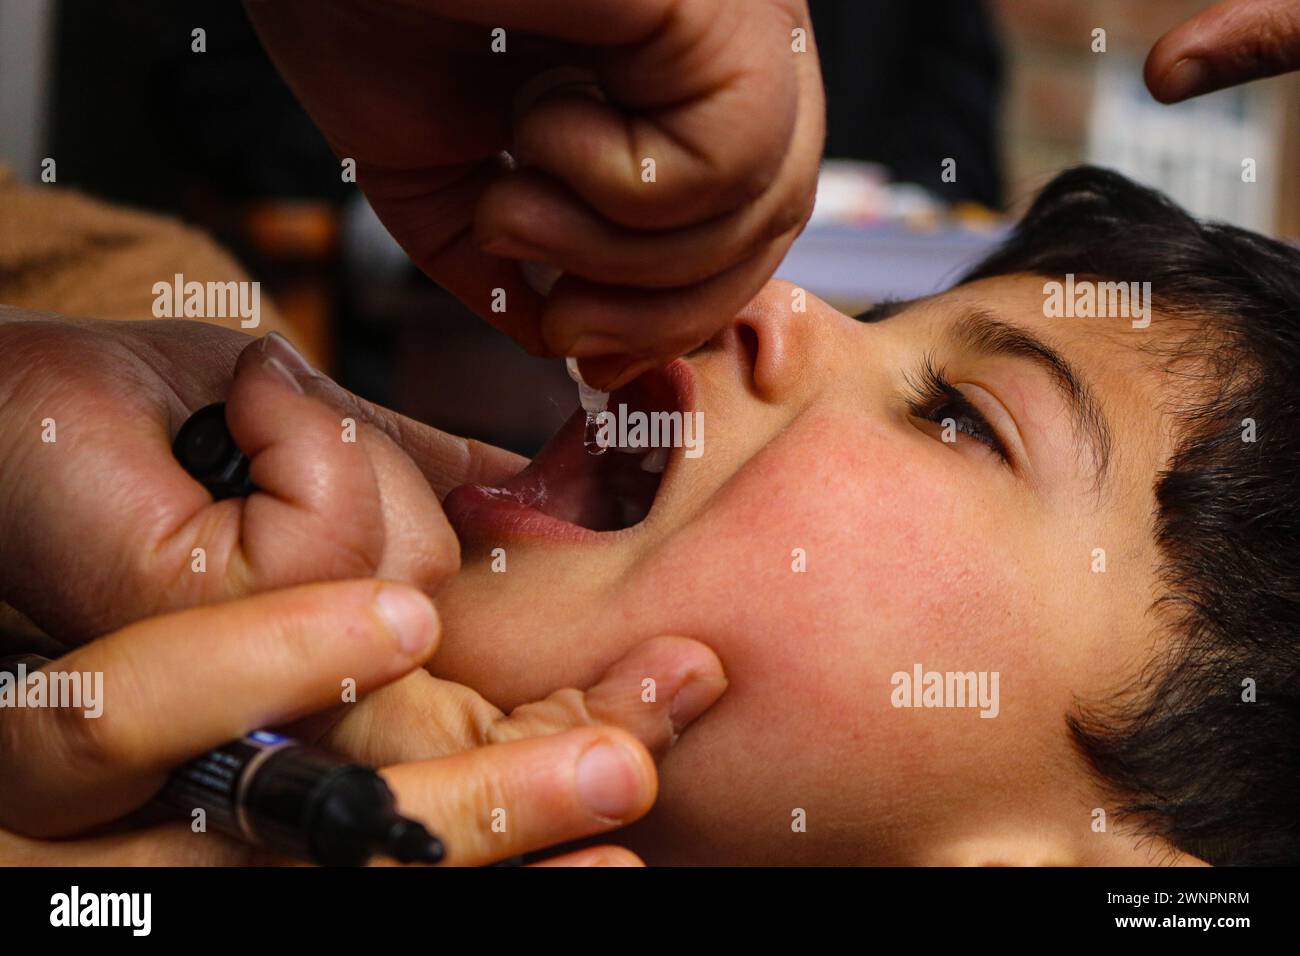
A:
{"points": [[567, 485]]}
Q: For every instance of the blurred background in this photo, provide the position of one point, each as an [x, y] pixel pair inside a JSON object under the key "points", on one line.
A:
{"points": [[945, 116]]}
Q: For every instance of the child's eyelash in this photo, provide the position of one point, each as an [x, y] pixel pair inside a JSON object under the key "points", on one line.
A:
{"points": [[934, 398]]}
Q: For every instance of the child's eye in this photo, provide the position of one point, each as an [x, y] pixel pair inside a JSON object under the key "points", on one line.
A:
{"points": [[964, 422], [937, 400]]}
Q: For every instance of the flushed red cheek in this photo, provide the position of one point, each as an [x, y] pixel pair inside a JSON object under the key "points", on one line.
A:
{"points": [[826, 565]]}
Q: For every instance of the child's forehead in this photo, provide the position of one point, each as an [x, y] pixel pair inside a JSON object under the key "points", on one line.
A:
{"points": [[1131, 339]]}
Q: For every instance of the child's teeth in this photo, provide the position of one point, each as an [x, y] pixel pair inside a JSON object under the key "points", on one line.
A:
{"points": [[655, 461]]}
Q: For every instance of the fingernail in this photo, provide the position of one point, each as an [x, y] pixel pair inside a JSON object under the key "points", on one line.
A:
{"points": [[510, 247], [694, 699], [608, 781], [278, 347], [540, 276], [409, 615], [1189, 77], [612, 858], [560, 79], [596, 344], [277, 369]]}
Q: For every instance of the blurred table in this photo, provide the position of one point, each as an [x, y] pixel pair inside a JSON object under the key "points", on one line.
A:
{"points": [[853, 267]]}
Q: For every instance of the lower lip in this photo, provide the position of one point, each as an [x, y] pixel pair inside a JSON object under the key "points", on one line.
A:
{"points": [[480, 515]]}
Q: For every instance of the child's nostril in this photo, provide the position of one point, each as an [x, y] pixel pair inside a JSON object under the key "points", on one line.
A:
{"points": [[747, 337]]}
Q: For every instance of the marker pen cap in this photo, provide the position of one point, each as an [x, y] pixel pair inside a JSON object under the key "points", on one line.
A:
{"points": [[206, 450]]}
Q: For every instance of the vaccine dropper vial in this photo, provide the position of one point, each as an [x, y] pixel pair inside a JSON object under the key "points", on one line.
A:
{"points": [[593, 401]]}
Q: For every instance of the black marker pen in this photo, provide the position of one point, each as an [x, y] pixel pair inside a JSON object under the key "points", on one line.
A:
{"points": [[205, 449], [271, 791], [265, 788]]}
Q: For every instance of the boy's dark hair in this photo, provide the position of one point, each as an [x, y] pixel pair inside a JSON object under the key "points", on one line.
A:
{"points": [[1180, 749]]}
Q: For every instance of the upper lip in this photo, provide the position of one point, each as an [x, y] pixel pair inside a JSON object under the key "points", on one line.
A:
{"points": [[518, 506]]}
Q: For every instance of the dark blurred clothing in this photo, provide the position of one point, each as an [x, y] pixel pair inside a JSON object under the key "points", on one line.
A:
{"points": [[138, 117], [912, 82]]}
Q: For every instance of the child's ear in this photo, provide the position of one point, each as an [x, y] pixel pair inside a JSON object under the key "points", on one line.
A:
{"points": [[1030, 847], [1144, 852], [1011, 848]]}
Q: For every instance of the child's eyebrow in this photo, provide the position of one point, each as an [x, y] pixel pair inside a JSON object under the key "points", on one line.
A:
{"points": [[882, 310], [981, 332]]}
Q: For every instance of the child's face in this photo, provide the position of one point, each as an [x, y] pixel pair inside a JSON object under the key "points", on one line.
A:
{"points": [[918, 551]]}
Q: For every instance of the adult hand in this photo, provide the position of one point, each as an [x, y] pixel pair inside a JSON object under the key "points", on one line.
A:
{"points": [[1229, 43], [666, 183], [178, 685], [106, 511]]}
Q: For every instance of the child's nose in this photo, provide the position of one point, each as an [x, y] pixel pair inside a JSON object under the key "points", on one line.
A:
{"points": [[777, 338]]}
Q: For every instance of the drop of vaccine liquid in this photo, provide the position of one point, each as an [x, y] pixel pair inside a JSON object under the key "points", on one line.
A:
{"points": [[589, 441]]}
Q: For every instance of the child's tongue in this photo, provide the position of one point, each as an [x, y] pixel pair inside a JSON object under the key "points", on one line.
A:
{"points": [[604, 492]]}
